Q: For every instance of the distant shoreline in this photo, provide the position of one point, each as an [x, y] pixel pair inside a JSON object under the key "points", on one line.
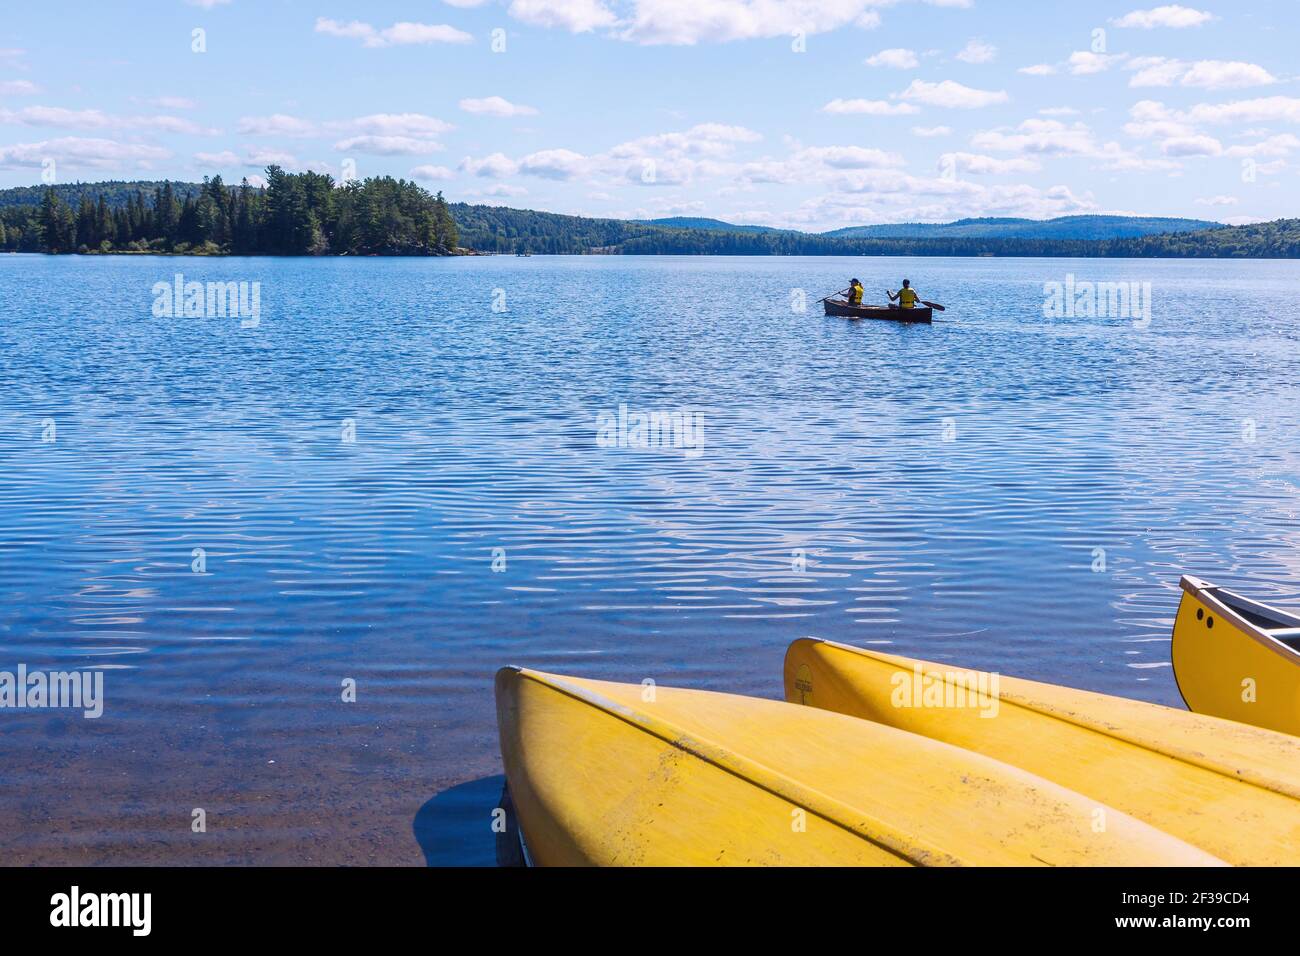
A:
{"points": [[310, 215]]}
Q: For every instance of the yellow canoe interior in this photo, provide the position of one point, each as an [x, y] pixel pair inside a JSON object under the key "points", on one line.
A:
{"points": [[620, 774], [1230, 789], [1237, 658]]}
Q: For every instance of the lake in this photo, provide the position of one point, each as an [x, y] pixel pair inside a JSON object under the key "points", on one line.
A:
{"points": [[405, 476]]}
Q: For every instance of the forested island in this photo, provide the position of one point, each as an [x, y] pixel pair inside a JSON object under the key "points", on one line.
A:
{"points": [[310, 214], [294, 214]]}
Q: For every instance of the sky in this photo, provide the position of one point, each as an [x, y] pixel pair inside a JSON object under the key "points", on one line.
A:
{"points": [[806, 114]]}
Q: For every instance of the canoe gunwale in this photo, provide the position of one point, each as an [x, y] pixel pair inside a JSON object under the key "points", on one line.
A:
{"points": [[1025, 701], [828, 808], [1208, 595]]}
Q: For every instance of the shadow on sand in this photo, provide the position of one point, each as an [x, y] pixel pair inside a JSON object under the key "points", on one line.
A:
{"points": [[454, 828]]}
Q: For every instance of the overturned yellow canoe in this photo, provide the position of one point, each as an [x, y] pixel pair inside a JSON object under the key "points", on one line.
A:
{"points": [[1229, 789], [1237, 658], [621, 774]]}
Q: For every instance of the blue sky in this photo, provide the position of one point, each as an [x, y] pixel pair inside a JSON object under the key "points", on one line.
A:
{"points": [[812, 114]]}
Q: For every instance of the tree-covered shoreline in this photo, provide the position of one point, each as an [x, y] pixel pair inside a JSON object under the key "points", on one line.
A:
{"points": [[308, 214], [294, 214]]}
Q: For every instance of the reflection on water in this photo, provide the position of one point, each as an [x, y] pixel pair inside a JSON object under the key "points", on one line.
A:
{"points": [[1001, 490]]}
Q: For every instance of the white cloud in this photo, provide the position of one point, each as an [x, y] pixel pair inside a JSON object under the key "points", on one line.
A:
{"points": [[77, 152], [1045, 137], [1217, 201], [395, 124], [1086, 63], [702, 140], [1038, 69], [496, 106], [1173, 16], [848, 157], [224, 158], [207, 4], [1203, 74], [277, 124], [1199, 145], [266, 156], [984, 165], [952, 95], [496, 166], [577, 16], [381, 145], [1268, 109], [688, 22], [896, 58], [432, 172], [889, 196], [869, 108], [928, 132], [1226, 75], [403, 33], [1053, 138], [561, 164], [502, 190], [18, 88], [59, 117], [977, 51], [1281, 145]]}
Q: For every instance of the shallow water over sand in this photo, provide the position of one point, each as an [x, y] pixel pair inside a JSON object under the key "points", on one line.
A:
{"points": [[948, 489]]}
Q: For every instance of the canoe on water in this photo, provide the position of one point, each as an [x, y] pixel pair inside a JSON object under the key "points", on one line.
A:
{"points": [[1237, 658], [849, 311], [626, 774], [1227, 788]]}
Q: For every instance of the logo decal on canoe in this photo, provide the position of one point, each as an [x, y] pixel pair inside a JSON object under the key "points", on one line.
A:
{"points": [[803, 684]]}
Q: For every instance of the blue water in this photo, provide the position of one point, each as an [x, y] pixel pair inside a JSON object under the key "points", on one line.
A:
{"points": [[948, 485]]}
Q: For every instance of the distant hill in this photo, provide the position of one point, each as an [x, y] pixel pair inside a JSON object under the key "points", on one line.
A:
{"points": [[115, 192], [711, 225], [1064, 227]]}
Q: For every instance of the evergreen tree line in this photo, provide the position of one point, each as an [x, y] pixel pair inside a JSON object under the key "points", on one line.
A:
{"points": [[294, 214]]}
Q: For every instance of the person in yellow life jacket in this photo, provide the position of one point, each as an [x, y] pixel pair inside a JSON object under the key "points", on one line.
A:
{"points": [[906, 296], [855, 292]]}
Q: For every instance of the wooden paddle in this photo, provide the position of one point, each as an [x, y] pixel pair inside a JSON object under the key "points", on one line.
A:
{"points": [[842, 292], [933, 305]]}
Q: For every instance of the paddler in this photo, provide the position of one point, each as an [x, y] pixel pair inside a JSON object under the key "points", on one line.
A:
{"points": [[855, 292], [906, 296]]}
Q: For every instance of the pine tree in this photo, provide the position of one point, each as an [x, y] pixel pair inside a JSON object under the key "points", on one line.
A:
{"points": [[105, 224], [85, 224], [56, 224]]}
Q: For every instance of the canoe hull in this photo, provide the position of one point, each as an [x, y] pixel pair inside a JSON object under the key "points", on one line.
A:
{"points": [[625, 774], [841, 308], [1231, 657], [1232, 790]]}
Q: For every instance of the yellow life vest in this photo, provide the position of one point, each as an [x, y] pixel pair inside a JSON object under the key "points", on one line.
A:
{"points": [[907, 298], [855, 294]]}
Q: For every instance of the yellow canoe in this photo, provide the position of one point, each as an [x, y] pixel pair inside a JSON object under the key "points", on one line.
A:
{"points": [[621, 774], [1237, 658], [1232, 790]]}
